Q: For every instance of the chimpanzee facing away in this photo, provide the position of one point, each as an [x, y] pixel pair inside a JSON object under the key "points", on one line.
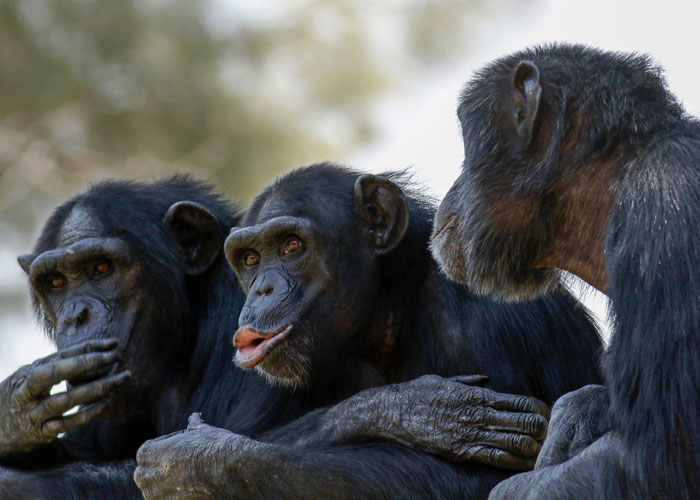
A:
{"points": [[342, 294], [133, 288], [582, 160]]}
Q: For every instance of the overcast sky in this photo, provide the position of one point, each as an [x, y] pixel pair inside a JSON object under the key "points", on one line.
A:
{"points": [[421, 127], [419, 124]]}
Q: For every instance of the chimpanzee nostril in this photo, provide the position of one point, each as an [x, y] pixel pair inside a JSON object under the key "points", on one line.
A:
{"points": [[79, 314], [267, 290], [268, 283], [82, 316]]}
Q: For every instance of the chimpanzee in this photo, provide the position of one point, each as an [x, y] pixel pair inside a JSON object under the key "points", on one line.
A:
{"points": [[582, 160], [342, 294], [134, 305], [132, 286]]}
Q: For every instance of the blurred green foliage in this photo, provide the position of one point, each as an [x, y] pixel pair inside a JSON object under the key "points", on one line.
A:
{"points": [[231, 90], [234, 91]]}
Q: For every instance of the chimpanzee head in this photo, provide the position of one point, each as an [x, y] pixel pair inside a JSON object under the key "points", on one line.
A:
{"points": [[311, 255], [542, 144], [118, 261]]}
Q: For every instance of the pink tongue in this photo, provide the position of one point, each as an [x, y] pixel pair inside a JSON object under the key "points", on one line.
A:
{"points": [[247, 341]]}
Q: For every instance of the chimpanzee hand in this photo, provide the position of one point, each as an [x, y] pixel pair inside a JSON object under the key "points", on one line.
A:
{"points": [[30, 416], [449, 417], [578, 419], [197, 463]]}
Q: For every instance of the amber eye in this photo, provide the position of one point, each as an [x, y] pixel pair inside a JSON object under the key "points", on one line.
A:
{"points": [[101, 268], [57, 282], [251, 259], [293, 245]]}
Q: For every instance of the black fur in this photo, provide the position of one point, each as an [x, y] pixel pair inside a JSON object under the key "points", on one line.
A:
{"points": [[609, 115], [541, 348], [197, 318]]}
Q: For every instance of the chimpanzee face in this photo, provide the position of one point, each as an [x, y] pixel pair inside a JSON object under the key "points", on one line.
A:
{"points": [[282, 266], [493, 244], [493, 229], [310, 286], [89, 288], [92, 285]]}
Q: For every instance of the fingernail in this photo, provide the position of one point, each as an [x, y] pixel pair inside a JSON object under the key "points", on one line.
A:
{"points": [[112, 355]]}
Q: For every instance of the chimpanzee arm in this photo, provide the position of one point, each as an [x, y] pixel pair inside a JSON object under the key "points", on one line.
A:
{"points": [[208, 462], [597, 471], [578, 451], [76, 481], [92, 462], [446, 417], [31, 418], [443, 416]]}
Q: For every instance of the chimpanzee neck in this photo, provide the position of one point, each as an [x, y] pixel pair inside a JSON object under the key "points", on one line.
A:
{"points": [[390, 329], [653, 256], [581, 217], [216, 303], [369, 359], [432, 327]]}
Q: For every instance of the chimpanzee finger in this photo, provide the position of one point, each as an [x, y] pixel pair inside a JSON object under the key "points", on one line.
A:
{"points": [[82, 348], [151, 444], [512, 402], [43, 377], [161, 489], [511, 442], [56, 405], [195, 421], [497, 457], [470, 379], [153, 453], [531, 424], [184, 495], [147, 478], [52, 428], [95, 345]]}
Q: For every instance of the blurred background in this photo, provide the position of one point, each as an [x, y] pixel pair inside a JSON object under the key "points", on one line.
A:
{"points": [[237, 92]]}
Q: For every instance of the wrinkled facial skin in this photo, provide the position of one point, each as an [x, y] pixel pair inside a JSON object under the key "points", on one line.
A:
{"points": [[493, 244], [312, 281], [293, 312], [88, 288], [278, 266]]}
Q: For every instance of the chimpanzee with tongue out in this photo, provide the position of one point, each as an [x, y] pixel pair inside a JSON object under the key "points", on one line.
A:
{"points": [[342, 295]]}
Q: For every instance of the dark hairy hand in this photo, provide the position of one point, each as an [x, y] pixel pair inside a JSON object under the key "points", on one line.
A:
{"points": [[30, 416], [578, 419], [459, 421], [578, 477], [197, 463]]}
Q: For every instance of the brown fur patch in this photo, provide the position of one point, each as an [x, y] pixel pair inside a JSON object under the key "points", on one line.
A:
{"points": [[511, 212], [581, 217]]}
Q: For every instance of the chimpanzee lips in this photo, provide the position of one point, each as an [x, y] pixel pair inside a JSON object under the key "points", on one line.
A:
{"points": [[254, 345]]}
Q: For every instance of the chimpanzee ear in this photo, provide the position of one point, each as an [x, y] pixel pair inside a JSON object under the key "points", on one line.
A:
{"points": [[383, 207], [25, 261], [198, 233], [526, 92]]}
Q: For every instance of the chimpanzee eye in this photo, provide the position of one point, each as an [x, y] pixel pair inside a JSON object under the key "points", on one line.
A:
{"points": [[250, 259], [101, 267], [292, 245], [57, 281]]}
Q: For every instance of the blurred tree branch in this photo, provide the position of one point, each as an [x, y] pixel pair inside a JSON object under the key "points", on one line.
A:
{"points": [[232, 90]]}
